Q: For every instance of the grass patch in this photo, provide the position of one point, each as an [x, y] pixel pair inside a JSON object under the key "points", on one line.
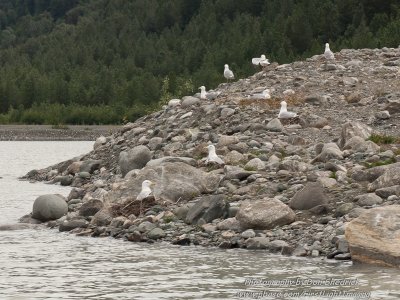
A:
{"points": [[333, 175], [249, 168], [381, 139], [381, 163], [60, 126]]}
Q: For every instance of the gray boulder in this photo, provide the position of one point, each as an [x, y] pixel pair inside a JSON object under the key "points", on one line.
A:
{"points": [[135, 158], [351, 129], [368, 199], [264, 214], [100, 141], [90, 208], [358, 144], [171, 159], [90, 166], [207, 209], [329, 151], [312, 195], [173, 182], [188, 101], [102, 218], [275, 125], [69, 225], [390, 177], [49, 207]]}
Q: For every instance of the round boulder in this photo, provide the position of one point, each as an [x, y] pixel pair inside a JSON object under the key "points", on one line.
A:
{"points": [[49, 207]]}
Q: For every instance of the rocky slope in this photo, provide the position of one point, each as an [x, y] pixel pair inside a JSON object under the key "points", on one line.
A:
{"points": [[288, 187]]}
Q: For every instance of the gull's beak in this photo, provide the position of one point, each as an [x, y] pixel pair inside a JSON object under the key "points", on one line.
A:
{"points": [[152, 184]]}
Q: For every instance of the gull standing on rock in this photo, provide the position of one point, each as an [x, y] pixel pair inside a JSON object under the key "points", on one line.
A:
{"points": [[284, 114], [145, 192], [228, 74], [262, 61], [328, 53], [203, 93], [212, 156]]}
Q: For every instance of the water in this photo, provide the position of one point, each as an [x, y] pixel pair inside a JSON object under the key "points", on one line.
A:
{"points": [[46, 264]]}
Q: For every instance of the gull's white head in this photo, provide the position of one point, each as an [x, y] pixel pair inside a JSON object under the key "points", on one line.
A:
{"points": [[147, 184], [263, 57], [283, 105], [211, 148], [226, 66], [327, 47], [202, 88]]}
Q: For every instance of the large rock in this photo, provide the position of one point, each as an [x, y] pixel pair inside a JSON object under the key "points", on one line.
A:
{"points": [[312, 195], [135, 158], [171, 159], [311, 120], [358, 144], [91, 207], [351, 129], [208, 208], [264, 214], [374, 237], [173, 182], [329, 151], [90, 165], [275, 125], [49, 207], [393, 106], [390, 177], [188, 101]]}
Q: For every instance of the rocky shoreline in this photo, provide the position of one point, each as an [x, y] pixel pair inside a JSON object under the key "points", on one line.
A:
{"points": [[295, 188], [54, 133]]}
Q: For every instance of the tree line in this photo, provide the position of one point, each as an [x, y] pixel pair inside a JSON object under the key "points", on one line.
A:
{"points": [[109, 61]]}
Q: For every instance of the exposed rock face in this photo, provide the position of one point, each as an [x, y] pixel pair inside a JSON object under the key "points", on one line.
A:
{"points": [[135, 158], [173, 182], [374, 237], [264, 214], [49, 207], [312, 195]]}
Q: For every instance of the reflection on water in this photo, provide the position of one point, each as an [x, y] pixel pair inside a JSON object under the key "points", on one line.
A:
{"points": [[45, 264]]}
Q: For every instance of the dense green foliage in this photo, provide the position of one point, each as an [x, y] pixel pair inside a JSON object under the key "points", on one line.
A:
{"points": [[106, 61]]}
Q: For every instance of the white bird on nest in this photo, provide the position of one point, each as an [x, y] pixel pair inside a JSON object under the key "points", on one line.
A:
{"points": [[284, 114], [145, 192], [212, 156], [210, 95], [228, 74], [328, 53], [265, 94], [262, 61]]}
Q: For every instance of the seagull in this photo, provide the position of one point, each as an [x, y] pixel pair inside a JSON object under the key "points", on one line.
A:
{"points": [[284, 114], [210, 95], [328, 53], [228, 74], [203, 93], [256, 60], [212, 156], [265, 94], [262, 61], [145, 192]]}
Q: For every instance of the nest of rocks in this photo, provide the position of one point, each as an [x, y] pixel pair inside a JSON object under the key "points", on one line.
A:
{"points": [[132, 207]]}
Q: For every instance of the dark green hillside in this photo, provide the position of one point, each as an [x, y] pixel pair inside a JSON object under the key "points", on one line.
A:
{"points": [[106, 61]]}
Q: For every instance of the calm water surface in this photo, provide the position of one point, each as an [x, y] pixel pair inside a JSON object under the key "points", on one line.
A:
{"points": [[46, 264]]}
